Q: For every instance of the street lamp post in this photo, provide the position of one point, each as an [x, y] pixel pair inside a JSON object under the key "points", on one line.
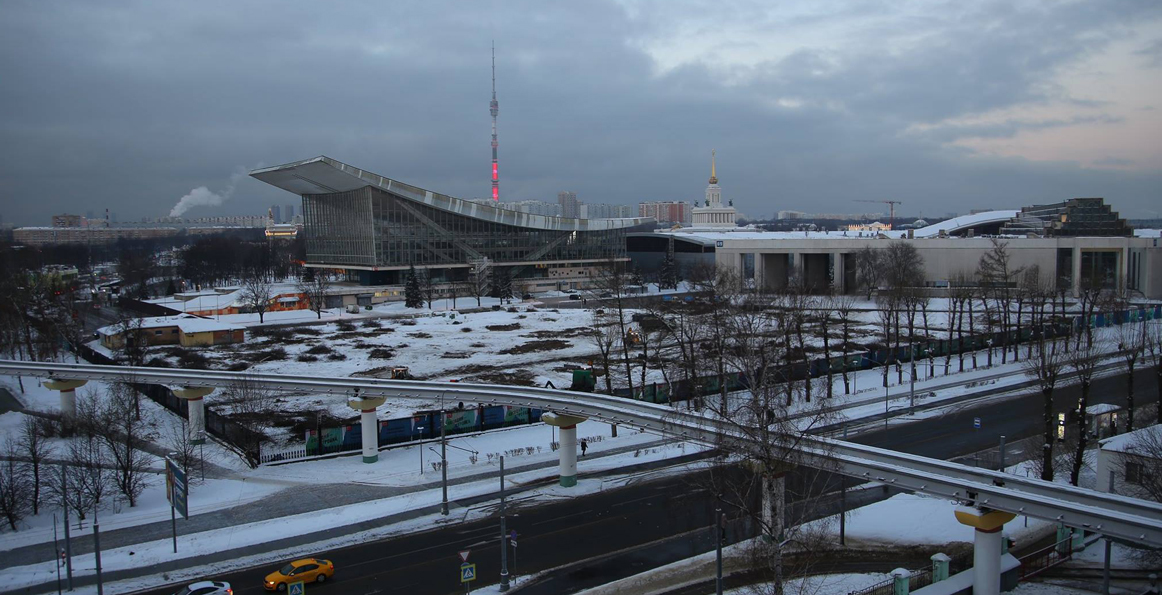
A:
{"points": [[421, 429]]}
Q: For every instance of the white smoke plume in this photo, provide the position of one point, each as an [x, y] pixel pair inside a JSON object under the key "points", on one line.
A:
{"points": [[202, 197]]}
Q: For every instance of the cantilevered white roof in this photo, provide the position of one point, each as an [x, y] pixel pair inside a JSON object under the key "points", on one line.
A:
{"points": [[323, 175]]}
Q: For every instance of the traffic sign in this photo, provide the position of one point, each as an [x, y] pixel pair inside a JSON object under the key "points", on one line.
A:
{"points": [[464, 555], [513, 542], [176, 488], [512, 534], [976, 422], [467, 572], [297, 589]]}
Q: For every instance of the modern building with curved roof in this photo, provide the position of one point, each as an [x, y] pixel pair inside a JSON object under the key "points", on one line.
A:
{"points": [[374, 228]]}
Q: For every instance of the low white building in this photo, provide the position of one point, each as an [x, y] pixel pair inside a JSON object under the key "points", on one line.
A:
{"points": [[1133, 458]]}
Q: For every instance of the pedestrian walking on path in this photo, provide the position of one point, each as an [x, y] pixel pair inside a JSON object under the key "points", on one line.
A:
{"points": [[584, 446]]}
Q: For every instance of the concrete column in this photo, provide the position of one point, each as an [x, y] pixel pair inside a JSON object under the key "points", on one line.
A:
{"points": [[369, 424], [68, 390], [193, 396], [986, 562], [1076, 281], [1123, 269], [838, 272], [568, 444]]}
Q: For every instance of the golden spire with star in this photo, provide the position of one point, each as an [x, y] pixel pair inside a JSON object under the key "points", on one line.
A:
{"points": [[713, 178]]}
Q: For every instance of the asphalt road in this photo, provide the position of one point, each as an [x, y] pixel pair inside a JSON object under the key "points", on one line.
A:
{"points": [[559, 534]]}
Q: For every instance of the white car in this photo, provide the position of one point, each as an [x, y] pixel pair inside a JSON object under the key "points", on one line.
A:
{"points": [[207, 588]]}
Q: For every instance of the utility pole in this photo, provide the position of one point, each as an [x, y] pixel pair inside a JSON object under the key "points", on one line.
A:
{"points": [[97, 552], [68, 542], [719, 519], [444, 458], [843, 501], [912, 374], [503, 535], [56, 554], [1105, 573]]}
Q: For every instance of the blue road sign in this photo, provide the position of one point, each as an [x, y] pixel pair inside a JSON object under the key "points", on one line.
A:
{"points": [[177, 490], [297, 589], [467, 572], [976, 422]]}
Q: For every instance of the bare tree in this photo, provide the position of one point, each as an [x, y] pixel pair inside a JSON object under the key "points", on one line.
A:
{"points": [[1083, 360], [315, 284], [428, 287], [765, 437], [178, 441], [124, 436], [611, 284], [15, 492], [1153, 352], [63, 484], [253, 407], [844, 307], [606, 338], [998, 278], [479, 279], [1132, 341], [257, 291], [1044, 367], [867, 269], [134, 342], [34, 449], [89, 463], [825, 316]]}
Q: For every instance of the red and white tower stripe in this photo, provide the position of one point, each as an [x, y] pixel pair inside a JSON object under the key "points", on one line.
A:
{"points": [[494, 107]]}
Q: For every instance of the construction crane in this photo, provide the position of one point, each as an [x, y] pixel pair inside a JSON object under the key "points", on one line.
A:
{"points": [[891, 207]]}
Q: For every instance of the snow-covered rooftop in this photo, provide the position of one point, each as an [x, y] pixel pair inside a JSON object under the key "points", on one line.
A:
{"points": [[1126, 442], [182, 321]]}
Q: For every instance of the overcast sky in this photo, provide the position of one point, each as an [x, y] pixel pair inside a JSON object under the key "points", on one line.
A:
{"points": [[811, 105]]}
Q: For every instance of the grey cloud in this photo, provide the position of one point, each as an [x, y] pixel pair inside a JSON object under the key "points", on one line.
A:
{"points": [[132, 105]]}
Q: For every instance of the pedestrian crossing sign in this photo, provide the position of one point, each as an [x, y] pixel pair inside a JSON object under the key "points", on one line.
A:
{"points": [[467, 572], [296, 589]]}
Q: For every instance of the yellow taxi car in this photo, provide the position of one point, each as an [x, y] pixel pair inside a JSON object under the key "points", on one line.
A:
{"points": [[307, 570]]}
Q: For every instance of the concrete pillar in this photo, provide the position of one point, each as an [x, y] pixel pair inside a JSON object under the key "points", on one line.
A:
{"points": [[940, 567], [1123, 269], [900, 581], [370, 425], [837, 273], [986, 561], [68, 390], [193, 396], [568, 444], [1076, 281]]}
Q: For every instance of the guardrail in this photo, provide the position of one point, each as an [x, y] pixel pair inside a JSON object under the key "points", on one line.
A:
{"points": [[1118, 516]]}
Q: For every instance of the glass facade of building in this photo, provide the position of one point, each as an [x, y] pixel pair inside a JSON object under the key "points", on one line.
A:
{"points": [[369, 228]]}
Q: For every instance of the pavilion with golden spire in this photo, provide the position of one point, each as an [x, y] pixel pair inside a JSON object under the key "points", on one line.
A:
{"points": [[712, 213]]}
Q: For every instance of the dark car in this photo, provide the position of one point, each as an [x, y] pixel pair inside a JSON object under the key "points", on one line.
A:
{"points": [[574, 296]]}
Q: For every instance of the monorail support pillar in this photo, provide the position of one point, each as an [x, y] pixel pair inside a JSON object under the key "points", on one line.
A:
{"points": [[370, 425], [568, 444], [987, 546], [193, 396], [68, 390]]}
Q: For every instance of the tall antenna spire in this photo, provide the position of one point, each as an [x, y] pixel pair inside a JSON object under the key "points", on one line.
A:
{"points": [[494, 107]]}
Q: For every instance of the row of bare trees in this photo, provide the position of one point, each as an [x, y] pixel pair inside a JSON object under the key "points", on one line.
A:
{"points": [[105, 458]]}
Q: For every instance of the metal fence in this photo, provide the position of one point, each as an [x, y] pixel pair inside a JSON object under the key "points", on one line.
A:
{"points": [[247, 441], [423, 425]]}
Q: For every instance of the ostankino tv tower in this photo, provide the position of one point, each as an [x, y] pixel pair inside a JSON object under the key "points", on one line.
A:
{"points": [[494, 107]]}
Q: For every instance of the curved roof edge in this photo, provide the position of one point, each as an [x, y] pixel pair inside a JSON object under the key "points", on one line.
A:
{"points": [[323, 175], [964, 222]]}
